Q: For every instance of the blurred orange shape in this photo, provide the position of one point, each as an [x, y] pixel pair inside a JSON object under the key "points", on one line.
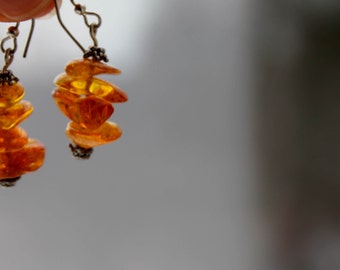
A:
{"points": [[26, 159], [10, 94], [12, 139], [15, 114]]}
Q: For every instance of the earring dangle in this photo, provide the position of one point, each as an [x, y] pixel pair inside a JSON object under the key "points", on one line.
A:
{"points": [[85, 99], [18, 153]]}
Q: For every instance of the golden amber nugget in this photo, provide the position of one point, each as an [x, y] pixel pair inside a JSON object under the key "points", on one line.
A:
{"points": [[88, 138], [86, 101], [18, 153]]}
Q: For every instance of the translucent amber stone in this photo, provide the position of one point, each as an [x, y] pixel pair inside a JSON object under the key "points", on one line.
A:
{"points": [[91, 112], [15, 114], [88, 68], [101, 88], [116, 96], [84, 86], [12, 139], [32, 155], [76, 85], [26, 159], [64, 100], [85, 138], [10, 94]]}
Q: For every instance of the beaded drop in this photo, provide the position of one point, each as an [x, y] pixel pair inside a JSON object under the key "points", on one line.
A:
{"points": [[86, 101], [18, 153]]}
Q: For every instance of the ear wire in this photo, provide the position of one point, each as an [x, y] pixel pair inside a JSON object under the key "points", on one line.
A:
{"points": [[81, 10], [29, 38], [64, 27]]}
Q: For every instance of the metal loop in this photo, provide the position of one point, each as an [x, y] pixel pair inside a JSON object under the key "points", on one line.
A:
{"points": [[94, 52], [9, 56], [3, 42], [81, 10], [86, 13], [93, 32], [12, 34], [15, 44]]}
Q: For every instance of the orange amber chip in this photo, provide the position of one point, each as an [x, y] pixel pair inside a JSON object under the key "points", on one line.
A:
{"points": [[88, 68], [27, 159], [12, 139], [64, 100], [84, 86], [15, 114], [10, 94], [85, 138], [75, 85], [100, 88], [91, 112], [116, 96], [32, 155]]}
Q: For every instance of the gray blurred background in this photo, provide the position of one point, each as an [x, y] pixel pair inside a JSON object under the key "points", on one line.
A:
{"points": [[230, 148]]}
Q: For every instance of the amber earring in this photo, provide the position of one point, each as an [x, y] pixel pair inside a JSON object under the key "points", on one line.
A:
{"points": [[18, 153], [85, 99]]}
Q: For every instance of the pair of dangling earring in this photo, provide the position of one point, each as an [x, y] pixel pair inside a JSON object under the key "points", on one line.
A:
{"points": [[82, 97]]}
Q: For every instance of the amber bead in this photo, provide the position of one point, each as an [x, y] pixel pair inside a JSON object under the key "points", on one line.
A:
{"points": [[12, 139], [64, 100], [91, 112], [10, 94], [116, 96], [88, 68], [106, 133], [84, 86], [32, 155], [26, 159], [100, 88], [76, 85], [15, 114]]}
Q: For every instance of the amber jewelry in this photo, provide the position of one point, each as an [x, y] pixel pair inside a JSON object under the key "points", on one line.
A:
{"points": [[18, 153], [85, 99]]}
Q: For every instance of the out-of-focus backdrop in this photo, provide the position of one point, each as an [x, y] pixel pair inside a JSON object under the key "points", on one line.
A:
{"points": [[230, 148]]}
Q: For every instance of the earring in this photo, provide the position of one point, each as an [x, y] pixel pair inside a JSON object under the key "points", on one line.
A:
{"points": [[18, 153], [85, 99]]}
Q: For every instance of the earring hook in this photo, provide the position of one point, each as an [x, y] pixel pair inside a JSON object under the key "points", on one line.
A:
{"points": [[94, 52], [64, 27], [29, 38], [81, 10]]}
